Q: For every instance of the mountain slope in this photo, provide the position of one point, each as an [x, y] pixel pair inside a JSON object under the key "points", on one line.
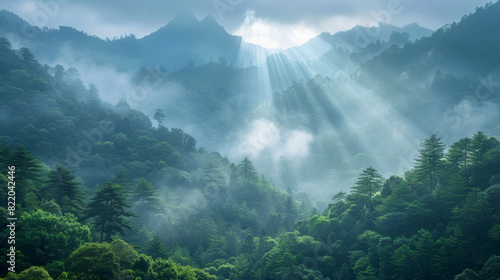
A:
{"points": [[357, 38], [182, 40], [463, 48]]}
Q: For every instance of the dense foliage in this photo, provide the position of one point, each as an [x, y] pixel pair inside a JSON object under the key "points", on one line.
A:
{"points": [[101, 193], [123, 178]]}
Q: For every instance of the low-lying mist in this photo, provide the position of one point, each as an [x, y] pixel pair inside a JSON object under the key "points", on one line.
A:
{"points": [[316, 135]]}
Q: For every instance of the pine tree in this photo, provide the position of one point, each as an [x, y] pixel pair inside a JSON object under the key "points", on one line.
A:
{"points": [[146, 195], [93, 100], [390, 185], [26, 55], [385, 249], [479, 147], [122, 178], [28, 169], [5, 44], [459, 156], [398, 201], [289, 213], [339, 197], [231, 209], [27, 166], [59, 74], [246, 172], [156, 248], [233, 175], [217, 246], [474, 216], [5, 154], [430, 162], [441, 263], [404, 263], [424, 253], [457, 244], [108, 210], [159, 116], [369, 182], [65, 189], [213, 180], [453, 192]]}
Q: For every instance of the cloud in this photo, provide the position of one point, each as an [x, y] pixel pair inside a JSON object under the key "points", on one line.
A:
{"points": [[297, 144], [262, 134], [265, 137], [273, 35], [119, 17]]}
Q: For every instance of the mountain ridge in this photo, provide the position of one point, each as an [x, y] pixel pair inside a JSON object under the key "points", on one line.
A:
{"points": [[204, 35]]}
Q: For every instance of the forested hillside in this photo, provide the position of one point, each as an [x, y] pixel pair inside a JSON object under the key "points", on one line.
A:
{"points": [[189, 153], [102, 194], [182, 40]]}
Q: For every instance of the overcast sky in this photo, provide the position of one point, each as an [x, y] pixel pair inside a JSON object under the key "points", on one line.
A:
{"points": [[272, 23]]}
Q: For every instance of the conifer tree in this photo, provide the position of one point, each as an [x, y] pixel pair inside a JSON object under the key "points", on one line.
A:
{"points": [[156, 248], [27, 166], [453, 192], [213, 180], [65, 189], [399, 199], [479, 147], [424, 253], [28, 169], [217, 246], [122, 178], [246, 172], [108, 211], [369, 182], [159, 117], [146, 195], [430, 162], [289, 213], [339, 197], [459, 156]]}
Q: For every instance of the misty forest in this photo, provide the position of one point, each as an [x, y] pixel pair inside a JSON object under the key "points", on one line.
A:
{"points": [[189, 153]]}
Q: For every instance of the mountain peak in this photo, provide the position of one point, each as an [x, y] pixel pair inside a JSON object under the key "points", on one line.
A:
{"points": [[210, 19], [184, 19]]}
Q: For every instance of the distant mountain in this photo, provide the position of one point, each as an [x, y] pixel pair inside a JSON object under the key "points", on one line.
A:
{"points": [[356, 38], [446, 83], [187, 41], [185, 38], [469, 48], [181, 41], [327, 53]]}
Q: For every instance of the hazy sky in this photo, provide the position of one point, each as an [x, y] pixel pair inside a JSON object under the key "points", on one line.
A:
{"points": [[272, 23]]}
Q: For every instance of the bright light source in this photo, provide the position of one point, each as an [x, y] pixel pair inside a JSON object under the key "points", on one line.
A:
{"points": [[273, 35]]}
